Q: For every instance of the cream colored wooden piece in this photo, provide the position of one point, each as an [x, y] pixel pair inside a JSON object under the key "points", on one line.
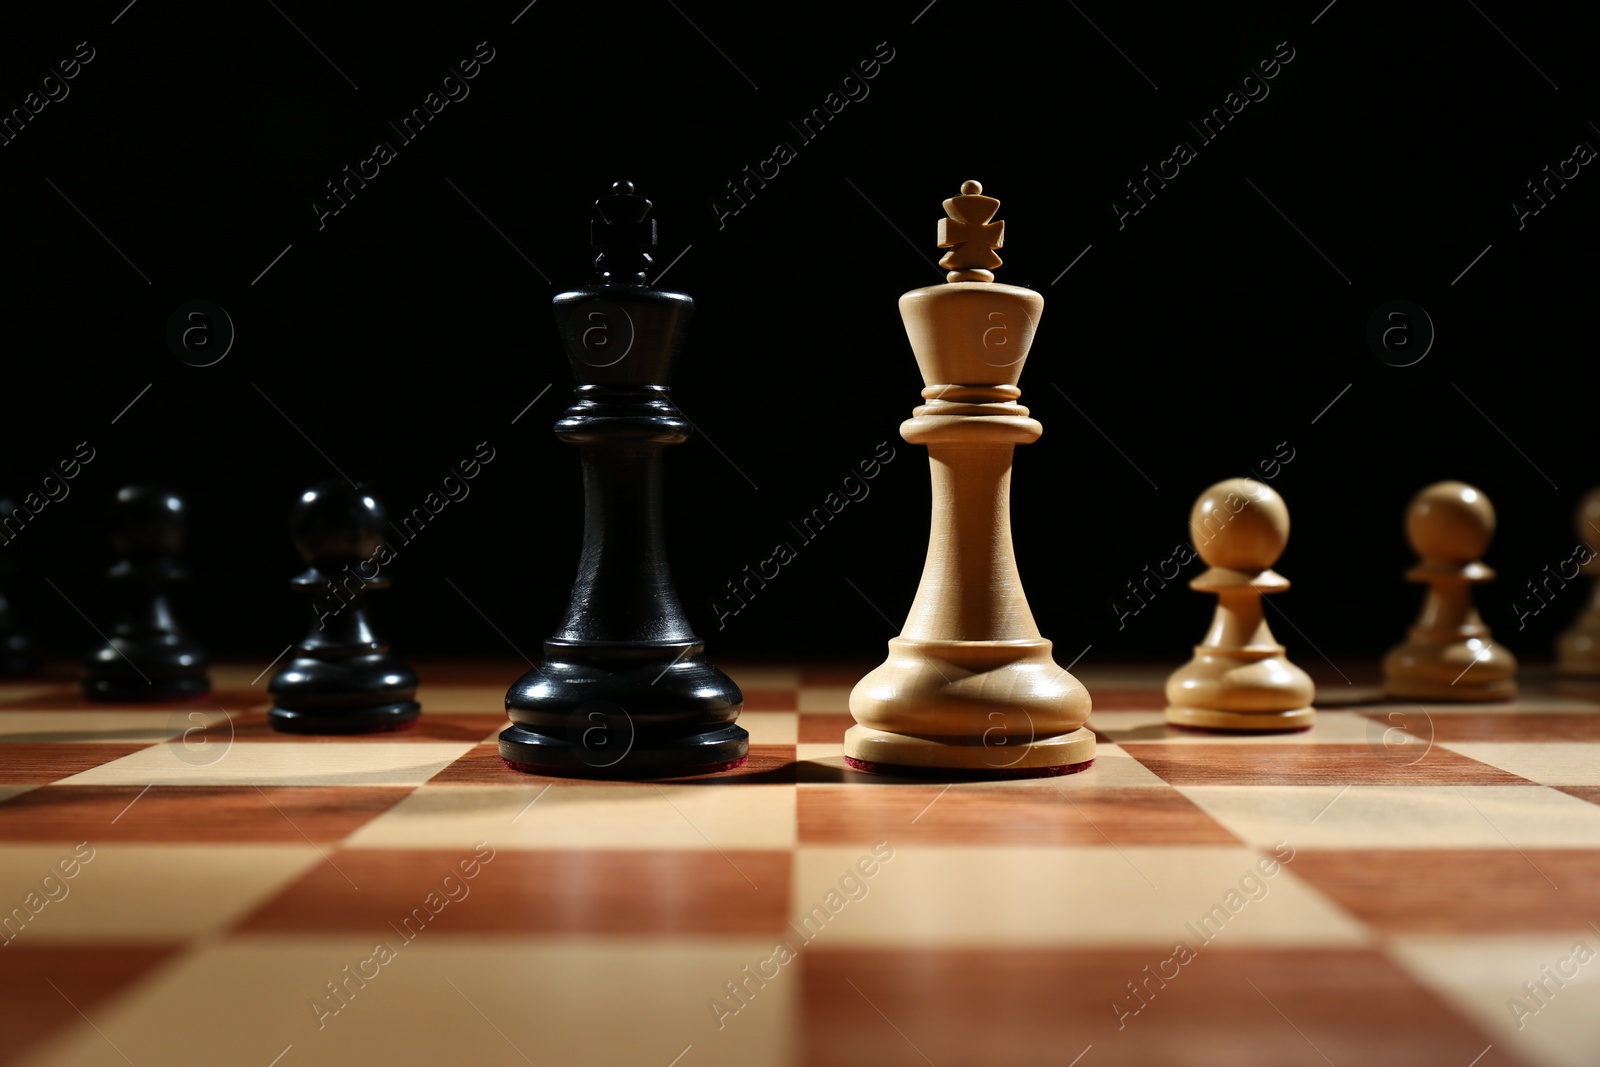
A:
{"points": [[1449, 654], [970, 684], [1578, 650], [1239, 678]]}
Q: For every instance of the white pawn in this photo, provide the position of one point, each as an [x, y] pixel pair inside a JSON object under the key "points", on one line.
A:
{"points": [[1239, 678], [1449, 653], [1579, 647]]}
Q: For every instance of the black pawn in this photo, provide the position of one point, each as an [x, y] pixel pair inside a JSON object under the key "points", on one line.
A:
{"points": [[624, 690], [18, 653], [342, 679], [148, 657]]}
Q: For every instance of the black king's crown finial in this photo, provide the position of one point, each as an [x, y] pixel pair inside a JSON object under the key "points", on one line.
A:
{"points": [[624, 234]]}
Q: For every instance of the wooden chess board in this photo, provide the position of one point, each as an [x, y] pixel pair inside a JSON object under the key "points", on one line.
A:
{"points": [[184, 886]]}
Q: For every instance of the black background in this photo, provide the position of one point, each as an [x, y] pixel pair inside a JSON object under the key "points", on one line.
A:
{"points": [[391, 340]]}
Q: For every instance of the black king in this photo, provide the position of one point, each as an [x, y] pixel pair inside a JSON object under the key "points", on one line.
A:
{"points": [[624, 690]]}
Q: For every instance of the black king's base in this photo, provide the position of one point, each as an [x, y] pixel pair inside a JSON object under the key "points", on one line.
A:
{"points": [[624, 711], [624, 690]]}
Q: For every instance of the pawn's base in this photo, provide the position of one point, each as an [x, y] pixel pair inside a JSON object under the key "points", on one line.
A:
{"points": [[867, 748], [138, 668], [1454, 668], [1462, 691], [347, 720], [1578, 650], [359, 694], [19, 656], [139, 691], [19, 666], [602, 751], [1242, 721]]}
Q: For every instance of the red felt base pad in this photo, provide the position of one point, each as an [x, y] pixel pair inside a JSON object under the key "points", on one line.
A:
{"points": [[949, 774], [608, 772]]}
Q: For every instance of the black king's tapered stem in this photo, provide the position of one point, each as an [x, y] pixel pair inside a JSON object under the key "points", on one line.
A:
{"points": [[624, 689], [624, 590]]}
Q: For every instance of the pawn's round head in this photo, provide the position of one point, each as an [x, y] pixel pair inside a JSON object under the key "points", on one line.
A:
{"points": [[1239, 524], [148, 520], [337, 523], [1587, 521], [1450, 522]]}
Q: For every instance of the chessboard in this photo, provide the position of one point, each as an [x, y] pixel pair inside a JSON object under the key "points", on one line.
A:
{"points": [[1401, 884]]}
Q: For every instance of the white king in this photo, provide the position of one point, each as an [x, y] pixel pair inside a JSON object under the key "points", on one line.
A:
{"points": [[970, 685]]}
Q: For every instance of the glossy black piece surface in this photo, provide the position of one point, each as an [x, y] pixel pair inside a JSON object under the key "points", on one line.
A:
{"points": [[342, 679], [624, 689], [147, 655]]}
